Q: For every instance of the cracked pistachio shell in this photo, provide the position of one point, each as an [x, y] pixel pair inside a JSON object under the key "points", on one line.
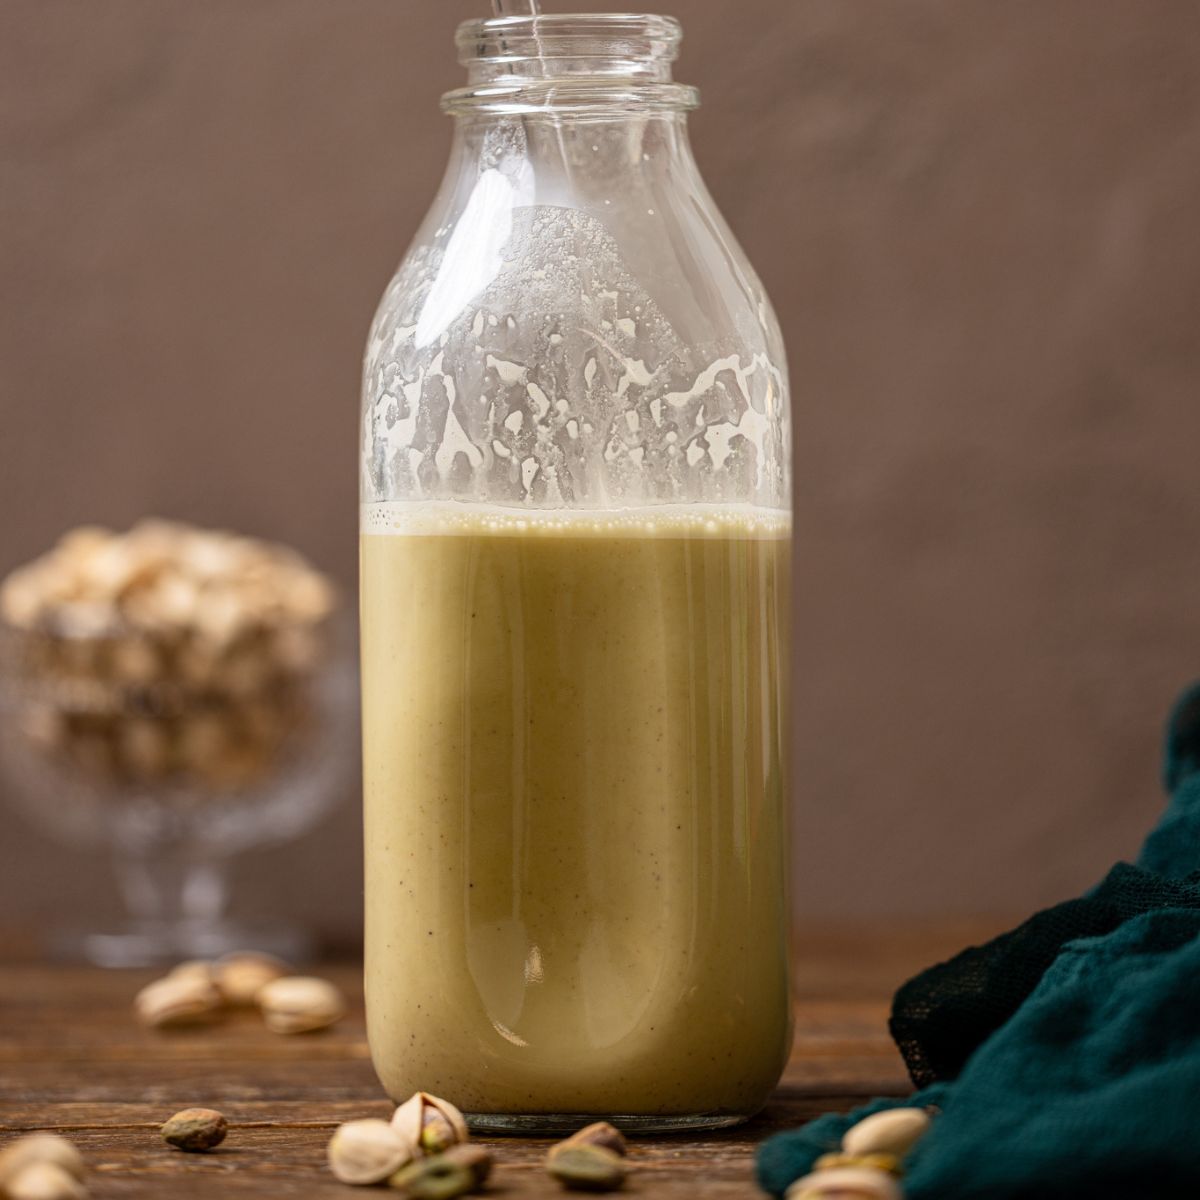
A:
{"points": [[587, 1168], [599, 1133], [242, 975], [436, 1178], [39, 1148], [367, 1151], [845, 1183], [422, 1112], [300, 1004], [177, 1000], [475, 1158], [44, 1181], [893, 1131]]}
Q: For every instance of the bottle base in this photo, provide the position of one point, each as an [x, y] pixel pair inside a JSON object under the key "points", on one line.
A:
{"points": [[538, 1124]]}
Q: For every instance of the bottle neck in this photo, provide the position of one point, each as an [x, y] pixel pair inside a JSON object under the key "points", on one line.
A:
{"points": [[586, 66], [599, 160]]}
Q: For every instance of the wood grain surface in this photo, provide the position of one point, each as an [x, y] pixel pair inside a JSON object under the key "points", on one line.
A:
{"points": [[73, 1060]]}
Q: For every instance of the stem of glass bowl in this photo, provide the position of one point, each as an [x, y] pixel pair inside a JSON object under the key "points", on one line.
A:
{"points": [[173, 889]]}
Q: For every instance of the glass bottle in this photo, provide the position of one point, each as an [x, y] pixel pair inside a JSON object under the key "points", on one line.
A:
{"points": [[575, 580]]}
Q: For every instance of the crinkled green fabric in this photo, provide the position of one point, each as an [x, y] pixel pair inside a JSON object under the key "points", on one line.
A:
{"points": [[1064, 1056]]}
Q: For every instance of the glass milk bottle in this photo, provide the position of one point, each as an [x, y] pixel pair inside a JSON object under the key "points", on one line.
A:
{"points": [[575, 577]]}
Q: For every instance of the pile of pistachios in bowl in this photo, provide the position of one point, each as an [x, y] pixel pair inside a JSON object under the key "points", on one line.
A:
{"points": [[165, 654]]}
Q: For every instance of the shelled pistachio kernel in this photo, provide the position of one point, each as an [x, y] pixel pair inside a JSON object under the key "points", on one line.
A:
{"points": [[586, 1168], [177, 1000], [599, 1133], [438, 1177], [242, 975], [195, 1130], [430, 1123], [893, 1131], [845, 1183], [44, 1181], [367, 1151], [39, 1148], [873, 1162], [300, 1004]]}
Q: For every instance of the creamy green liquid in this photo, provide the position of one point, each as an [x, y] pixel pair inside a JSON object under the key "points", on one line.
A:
{"points": [[575, 790]]}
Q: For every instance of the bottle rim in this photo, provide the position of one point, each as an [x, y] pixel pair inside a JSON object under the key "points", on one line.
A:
{"points": [[569, 62], [663, 28]]}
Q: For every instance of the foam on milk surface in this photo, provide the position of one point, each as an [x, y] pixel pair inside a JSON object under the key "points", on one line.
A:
{"points": [[441, 518]]}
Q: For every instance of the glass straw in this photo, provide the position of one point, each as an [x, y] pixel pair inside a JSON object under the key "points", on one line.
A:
{"points": [[529, 8], [520, 8]]}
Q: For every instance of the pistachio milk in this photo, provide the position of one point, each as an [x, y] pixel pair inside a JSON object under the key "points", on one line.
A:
{"points": [[574, 748]]}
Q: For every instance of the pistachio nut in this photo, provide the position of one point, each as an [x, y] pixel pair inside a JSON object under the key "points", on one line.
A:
{"points": [[845, 1183], [367, 1151], [435, 1178], [893, 1131], [476, 1158], [195, 1130], [24, 597], [44, 1181], [242, 975], [587, 1168], [177, 1000], [875, 1162], [193, 968], [39, 1148], [437, 1134], [600, 1133], [430, 1123], [300, 1004]]}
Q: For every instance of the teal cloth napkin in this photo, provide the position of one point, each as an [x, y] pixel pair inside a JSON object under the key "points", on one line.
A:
{"points": [[1064, 1056]]}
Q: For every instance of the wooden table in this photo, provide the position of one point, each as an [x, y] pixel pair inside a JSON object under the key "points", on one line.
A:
{"points": [[73, 1060]]}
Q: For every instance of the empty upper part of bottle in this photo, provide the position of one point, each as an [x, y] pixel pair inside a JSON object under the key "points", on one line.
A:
{"points": [[574, 325]]}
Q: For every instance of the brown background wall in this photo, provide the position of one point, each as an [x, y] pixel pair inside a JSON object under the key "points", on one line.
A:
{"points": [[979, 222]]}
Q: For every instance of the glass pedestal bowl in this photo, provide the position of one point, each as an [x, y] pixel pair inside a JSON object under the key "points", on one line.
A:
{"points": [[174, 775]]}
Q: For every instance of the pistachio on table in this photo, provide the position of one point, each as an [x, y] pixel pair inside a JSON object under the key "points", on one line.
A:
{"points": [[367, 1151], [195, 1130], [44, 1181], [242, 975], [192, 968], [585, 1167], [300, 1004], [430, 1123], [893, 1131], [888, 1163], [599, 1133], [38, 1148], [845, 1183], [177, 1000], [476, 1159], [438, 1177]]}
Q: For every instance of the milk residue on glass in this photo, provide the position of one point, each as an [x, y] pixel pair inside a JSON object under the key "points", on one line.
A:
{"points": [[537, 371]]}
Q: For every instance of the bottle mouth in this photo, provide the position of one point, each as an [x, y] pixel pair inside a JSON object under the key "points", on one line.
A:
{"points": [[569, 60]]}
